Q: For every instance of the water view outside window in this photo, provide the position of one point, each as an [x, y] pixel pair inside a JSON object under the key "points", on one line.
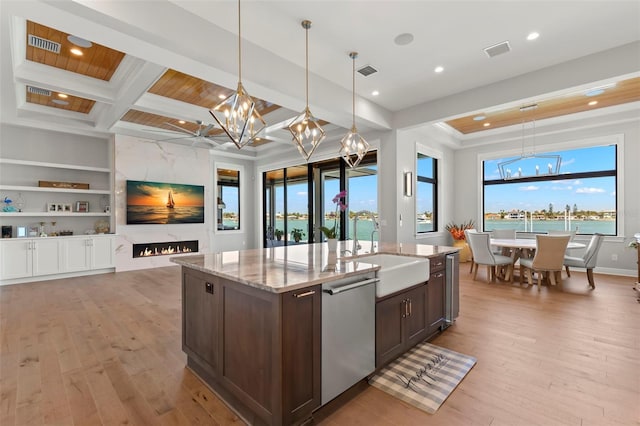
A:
{"points": [[426, 194], [362, 201], [582, 198]]}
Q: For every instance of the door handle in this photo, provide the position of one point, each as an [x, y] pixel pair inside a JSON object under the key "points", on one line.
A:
{"points": [[410, 307], [305, 294]]}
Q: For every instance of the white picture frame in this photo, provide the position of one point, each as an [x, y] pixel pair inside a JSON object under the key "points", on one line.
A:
{"points": [[52, 207]]}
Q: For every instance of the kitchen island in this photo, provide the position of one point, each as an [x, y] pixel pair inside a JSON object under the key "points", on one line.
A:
{"points": [[253, 327]]}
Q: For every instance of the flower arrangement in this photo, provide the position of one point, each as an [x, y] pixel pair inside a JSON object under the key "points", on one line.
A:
{"points": [[457, 231], [340, 206]]}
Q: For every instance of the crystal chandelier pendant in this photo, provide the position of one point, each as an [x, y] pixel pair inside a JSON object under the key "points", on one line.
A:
{"points": [[238, 117], [307, 133], [354, 148], [305, 128]]}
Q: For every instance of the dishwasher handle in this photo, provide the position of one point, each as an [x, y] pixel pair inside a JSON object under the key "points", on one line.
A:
{"points": [[337, 290]]}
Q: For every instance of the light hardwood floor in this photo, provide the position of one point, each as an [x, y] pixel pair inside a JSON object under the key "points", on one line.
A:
{"points": [[105, 349]]}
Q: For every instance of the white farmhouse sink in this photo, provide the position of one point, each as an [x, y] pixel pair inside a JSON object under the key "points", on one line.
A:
{"points": [[397, 272]]}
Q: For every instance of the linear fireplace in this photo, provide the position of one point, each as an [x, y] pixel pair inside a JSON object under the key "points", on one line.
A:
{"points": [[164, 249]]}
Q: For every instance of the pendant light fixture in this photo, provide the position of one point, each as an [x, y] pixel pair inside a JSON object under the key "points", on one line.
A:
{"points": [[307, 132], [237, 115], [354, 146], [527, 165]]}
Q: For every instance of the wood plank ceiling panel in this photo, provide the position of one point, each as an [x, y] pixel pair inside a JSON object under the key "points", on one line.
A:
{"points": [[182, 87], [66, 102], [623, 92], [97, 61]]}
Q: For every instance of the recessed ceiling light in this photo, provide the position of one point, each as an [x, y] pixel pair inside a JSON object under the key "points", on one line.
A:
{"points": [[375, 93], [222, 96], [403, 39], [592, 103], [181, 121], [479, 117], [76, 51], [594, 92], [59, 102], [532, 36], [79, 41], [63, 96], [438, 69], [487, 124]]}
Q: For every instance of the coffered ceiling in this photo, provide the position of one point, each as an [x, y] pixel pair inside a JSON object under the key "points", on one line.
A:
{"points": [[155, 68]]}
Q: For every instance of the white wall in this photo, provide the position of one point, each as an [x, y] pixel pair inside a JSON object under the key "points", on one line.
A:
{"points": [[468, 186], [147, 160]]}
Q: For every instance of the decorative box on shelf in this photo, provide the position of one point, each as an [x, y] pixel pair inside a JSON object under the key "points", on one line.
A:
{"points": [[65, 185]]}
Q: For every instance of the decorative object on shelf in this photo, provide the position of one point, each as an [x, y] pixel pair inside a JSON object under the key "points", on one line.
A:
{"points": [[297, 234], [65, 233], [527, 164], [239, 117], [33, 231], [102, 227], [21, 231], [354, 146], [62, 185], [53, 232], [305, 128], [332, 233], [52, 207], [20, 202], [66, 208], [104, 204], [7, 205], [82, 207], [41, 232], [7, 231]]}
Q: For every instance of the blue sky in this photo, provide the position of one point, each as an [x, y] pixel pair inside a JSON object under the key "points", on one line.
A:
{"points": [[588, 194]]}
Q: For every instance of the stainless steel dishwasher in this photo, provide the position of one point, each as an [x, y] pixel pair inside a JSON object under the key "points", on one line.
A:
{"points": [[348, 333]]}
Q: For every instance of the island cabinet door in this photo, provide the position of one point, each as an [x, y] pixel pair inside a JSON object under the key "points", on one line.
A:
{"points": [[301, 340], [436, 299], [200, 318], [416, 326], [390, 318]]}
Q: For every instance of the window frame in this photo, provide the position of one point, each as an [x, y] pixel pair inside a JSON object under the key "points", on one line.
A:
{"points": [[437, 156], [615, 139]]}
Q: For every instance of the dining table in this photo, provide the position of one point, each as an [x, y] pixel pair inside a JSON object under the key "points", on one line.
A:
{"points": [[523, 247]]}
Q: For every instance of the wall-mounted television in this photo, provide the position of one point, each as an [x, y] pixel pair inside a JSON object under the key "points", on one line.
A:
{"points": [[164, 203]]}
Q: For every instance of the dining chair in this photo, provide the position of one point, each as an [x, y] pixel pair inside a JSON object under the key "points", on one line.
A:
{"points": [[572, 234], [504, 234], [479, 242], [547, 261], [466, 237], [588, 259]]}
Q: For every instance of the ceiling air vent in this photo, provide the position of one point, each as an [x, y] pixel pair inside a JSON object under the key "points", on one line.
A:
{"points": [[43, 43], [497, 49], [367, 70], [38, 91]]}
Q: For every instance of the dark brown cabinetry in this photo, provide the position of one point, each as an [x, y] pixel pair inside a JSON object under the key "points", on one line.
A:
{"points": [[199, 319], [401, 322], [436, 294], [259, 350]]}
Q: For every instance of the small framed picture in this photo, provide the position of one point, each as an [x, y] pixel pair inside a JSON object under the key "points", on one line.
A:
{"points": [[52, 207], [82, 206], [59, 207], [66, 208], [107, 209]]}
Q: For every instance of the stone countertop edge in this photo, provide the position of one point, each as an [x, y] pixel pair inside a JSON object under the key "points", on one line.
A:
{"points": [[283, 269]]}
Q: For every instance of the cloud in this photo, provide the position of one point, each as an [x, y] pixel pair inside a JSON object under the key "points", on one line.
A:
{"points": [[577, 182], [566, 163], [613, 194], [529, 188], [302, 193], [589, 190], [561, 188]]}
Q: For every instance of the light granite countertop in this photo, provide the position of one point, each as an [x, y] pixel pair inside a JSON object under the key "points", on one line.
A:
{"points": [[281, 269]]}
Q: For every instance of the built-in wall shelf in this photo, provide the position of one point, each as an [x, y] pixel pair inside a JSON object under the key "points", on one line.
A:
{"points": [[52, 214], [54, 165], [59, 190]]}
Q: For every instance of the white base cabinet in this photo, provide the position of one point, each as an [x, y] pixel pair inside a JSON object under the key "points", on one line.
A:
{"points": [[24, 258]]}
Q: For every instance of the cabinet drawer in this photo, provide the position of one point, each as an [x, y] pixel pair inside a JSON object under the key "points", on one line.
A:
{"points": [[436, 264]]}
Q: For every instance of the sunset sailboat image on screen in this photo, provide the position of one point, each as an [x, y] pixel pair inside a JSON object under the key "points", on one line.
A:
{"points": [[170, 203], [164, 203]]}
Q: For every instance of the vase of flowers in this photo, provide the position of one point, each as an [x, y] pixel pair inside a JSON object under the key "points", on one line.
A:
{"points": [[459, 239], [332, 233]]}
